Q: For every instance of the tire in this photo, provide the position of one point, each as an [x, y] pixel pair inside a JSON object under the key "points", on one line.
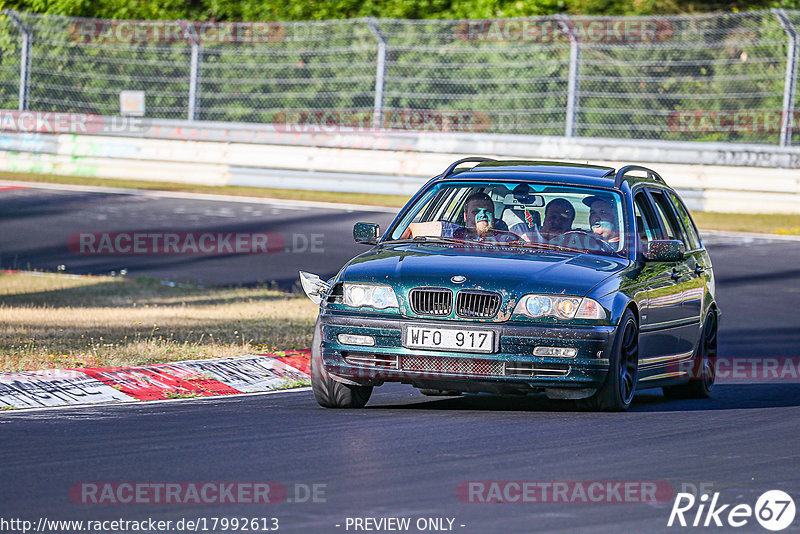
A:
{"points": [[616, 393], [328, 392], [703, 365]]}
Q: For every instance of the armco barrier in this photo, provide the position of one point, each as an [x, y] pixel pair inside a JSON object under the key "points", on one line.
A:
{"points": [[712, 177]]}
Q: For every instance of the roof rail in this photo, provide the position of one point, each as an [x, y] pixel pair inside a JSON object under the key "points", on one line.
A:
{"points": [[651, 174], [455, 164]]}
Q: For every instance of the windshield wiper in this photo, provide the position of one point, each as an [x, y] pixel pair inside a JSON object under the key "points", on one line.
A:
{"points": [[493, 244], [550, 246], [426, 239]]}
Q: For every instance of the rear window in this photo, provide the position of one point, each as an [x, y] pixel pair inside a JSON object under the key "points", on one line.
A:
{"points": [[688, 224], [669, 220]]}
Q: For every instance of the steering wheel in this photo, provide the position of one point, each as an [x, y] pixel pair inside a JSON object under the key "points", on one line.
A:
{"points": [[562, 240]]}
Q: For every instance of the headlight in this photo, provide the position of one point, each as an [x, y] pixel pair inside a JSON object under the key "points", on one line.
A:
{"points": [[378, 296], [560, 307]]}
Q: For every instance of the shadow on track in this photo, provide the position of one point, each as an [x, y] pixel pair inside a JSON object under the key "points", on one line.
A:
{"points": [[723, 397]]}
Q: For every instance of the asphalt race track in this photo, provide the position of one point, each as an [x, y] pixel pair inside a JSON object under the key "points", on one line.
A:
{"points": [[36, 225], [404, 455]]}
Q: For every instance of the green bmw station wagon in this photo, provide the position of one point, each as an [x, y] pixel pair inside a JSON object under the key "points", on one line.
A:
{"points": [[513, 277]]}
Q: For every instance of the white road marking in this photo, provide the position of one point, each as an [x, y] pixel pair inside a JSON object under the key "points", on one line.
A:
{"points": [[273, 202]]}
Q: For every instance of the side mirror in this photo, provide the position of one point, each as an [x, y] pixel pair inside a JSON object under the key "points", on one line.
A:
{"points": [[664, 250], [314, 287], [366, 233]]}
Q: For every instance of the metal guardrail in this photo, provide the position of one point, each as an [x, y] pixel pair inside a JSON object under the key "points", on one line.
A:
{"points": [[710, 78]]}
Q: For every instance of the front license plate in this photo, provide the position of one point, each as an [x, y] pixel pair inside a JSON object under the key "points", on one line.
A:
{"points": [[422, 337]]}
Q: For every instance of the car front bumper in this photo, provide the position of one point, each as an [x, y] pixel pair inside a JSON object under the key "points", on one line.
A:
{"points": [[510, 368]]}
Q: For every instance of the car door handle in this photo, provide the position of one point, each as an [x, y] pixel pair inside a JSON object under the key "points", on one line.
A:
{"points": [[699, 269], [676, 275]]}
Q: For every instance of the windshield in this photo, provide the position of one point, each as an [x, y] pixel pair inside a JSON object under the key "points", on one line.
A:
{"points": [[521, 215]]}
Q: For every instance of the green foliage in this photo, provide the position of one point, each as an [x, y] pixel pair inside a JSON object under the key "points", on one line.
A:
{"points": [[711, 64], [258, 10], [117, 9]]}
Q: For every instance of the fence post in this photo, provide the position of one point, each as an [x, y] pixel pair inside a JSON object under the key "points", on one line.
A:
{"points": [[380, 72], [790, 77], [194, 80], [24, 60], [573, 85]]}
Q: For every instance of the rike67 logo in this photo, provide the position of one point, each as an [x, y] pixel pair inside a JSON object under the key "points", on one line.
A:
{"points": [[774, 510]]}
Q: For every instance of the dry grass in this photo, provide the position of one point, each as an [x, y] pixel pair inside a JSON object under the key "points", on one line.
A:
{"points": [[764, 223], [58, 321], [235, 190]]}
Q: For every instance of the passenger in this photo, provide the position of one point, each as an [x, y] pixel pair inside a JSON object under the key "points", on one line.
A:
{"points": [[558, 217], [603, 218]]}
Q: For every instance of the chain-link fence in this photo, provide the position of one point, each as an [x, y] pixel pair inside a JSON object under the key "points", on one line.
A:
{"points": [[722, 77]]}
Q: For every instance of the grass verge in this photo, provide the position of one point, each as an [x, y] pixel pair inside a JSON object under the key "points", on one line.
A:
{"points": [[58, 321], [765, 223]]}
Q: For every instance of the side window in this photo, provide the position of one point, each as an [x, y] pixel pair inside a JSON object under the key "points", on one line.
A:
{"points": [[433, 204], [669, 221], [688, 224], [646, 224], [454, 206], [445, 205]]}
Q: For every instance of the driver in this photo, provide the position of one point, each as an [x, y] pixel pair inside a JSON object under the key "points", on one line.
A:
{"points": [[603, 218], [478, 217]]}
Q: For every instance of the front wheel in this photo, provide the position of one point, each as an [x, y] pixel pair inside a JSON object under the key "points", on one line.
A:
{"points": [[328, 392], [616, 393]]}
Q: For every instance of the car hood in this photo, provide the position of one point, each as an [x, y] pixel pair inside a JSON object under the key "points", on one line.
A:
{"points": [[511, 272]]}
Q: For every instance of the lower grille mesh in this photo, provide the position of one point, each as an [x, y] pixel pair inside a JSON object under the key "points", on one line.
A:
{"points": [[455, 366]]}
